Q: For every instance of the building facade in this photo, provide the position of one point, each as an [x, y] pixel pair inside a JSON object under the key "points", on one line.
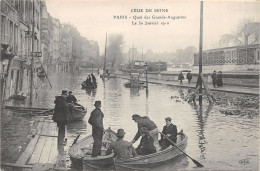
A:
{"points": [[17, 18]]}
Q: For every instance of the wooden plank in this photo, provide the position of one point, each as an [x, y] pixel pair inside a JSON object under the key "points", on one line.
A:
{"points": [[45, 128], [54, 150], [16, 165], [28, 151], [37, 151], [39, 127], [19, 107], [52, 129], [43, 167], [46, 150]]}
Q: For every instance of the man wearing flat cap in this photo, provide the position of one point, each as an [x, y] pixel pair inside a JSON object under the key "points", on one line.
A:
{"points": [[151, 127], [122, 149], [170, 130], [96, 120]]}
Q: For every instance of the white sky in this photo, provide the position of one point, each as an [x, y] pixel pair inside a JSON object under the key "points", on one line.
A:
{"points": [[94, 18]]}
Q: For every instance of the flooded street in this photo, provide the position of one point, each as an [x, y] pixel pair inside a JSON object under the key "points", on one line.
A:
{"points": [[217, 141]]}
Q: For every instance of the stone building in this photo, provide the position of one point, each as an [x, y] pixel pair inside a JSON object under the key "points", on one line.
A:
{"points": [[17, 17]]}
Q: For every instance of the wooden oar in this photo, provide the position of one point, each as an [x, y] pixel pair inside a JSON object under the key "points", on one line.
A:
{"points": [[194, 161]]}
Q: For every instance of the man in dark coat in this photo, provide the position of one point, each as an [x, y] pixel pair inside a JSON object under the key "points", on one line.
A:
{"points": [[214, 78], [61, 111], [94, 79], [122, 149], [146, 145], [219, 79], [151, 127], [170, 131], [180, 77], [96, 120], [189, 77], [71, 98]]}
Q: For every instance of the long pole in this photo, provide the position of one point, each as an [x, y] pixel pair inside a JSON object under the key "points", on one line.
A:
{"points": [[32, 60], [200, 51], [104, 69]]}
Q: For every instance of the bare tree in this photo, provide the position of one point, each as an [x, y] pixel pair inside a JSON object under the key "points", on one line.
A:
{"points": [[114, 49], [247, 33]]}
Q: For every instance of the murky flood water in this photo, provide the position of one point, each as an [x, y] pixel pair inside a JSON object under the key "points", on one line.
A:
{"points": [[217, 141]]}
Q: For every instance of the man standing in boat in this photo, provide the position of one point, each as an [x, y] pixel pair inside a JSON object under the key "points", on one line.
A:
{"points": [[170, 131], [122, 149], [96, 120], [151, 127]]}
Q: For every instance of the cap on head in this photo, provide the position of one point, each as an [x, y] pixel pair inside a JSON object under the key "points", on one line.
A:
{"points": [[135, 116], [120, 133], [97, 103], [168, 119], [64, 92]]}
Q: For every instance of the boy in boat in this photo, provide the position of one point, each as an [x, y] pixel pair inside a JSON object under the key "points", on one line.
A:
{"points": [[96, 120], [121, 148], [151, 127], [146, 145], [71, 98], [170, 131]]}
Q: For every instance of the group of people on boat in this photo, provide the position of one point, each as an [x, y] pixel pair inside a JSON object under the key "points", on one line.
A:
{"points": [[147, 129], [91, 81], [63, 105]]}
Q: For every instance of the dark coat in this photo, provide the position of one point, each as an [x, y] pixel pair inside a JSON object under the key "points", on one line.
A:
{"points": [[121, 149], [172, 130], [214, 76], [189, 76], [71, 99], [146, 146], [61, 110], [96, 119], [180, 77], [144, 122]]}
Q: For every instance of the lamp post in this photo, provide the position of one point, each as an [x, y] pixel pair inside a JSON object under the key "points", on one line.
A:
{"points": [[146, 68]]}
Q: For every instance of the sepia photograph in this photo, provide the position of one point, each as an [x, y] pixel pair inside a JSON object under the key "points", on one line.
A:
{"points": [[129, 85]]}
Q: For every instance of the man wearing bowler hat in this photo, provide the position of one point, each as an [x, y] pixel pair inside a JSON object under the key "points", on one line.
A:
{"points": [[121, 148], [151, 127], [96, 120], [170, 130]]}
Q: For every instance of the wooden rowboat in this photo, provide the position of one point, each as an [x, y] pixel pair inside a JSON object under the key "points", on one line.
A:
{"points": [[153, 160], [88, 86], [81, 151], [78, 112]]}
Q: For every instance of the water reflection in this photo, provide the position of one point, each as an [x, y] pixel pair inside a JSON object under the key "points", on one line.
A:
{"points": [[202, 120]]}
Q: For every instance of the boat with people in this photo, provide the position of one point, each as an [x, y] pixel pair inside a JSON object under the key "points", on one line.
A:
{"points": [[84, 85], [80, 152], [155, 159], [134, 81]]}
